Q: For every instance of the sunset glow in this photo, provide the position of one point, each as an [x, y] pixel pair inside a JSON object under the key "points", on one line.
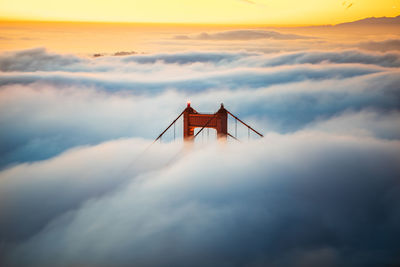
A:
{"points": [[272, 12]]}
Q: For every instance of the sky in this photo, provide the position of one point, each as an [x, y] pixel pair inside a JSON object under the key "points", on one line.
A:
{"points": [[270, 12], [83, 184]]}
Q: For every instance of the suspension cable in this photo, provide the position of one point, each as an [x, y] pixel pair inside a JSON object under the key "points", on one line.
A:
{"points": [[205, 125], [234, 137], [248, 126], [169, 126], [235, 127]]}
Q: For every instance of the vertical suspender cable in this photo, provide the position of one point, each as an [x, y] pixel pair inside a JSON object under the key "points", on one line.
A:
{"points": [[235, 127], [245, 124], [159, 137], [205, 125]]}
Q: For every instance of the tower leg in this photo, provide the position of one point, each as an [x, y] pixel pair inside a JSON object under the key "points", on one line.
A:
{"points": [[188, 131], [222, 123]]}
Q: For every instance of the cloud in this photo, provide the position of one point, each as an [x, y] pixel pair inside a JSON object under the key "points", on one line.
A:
{"points": [[321, 189], [72, 183], [384, 125], [42, 61], [112, 91], [34, 60], [81, 115], [187, 58], [78, 117], [239, 35], [235, 79], [342, 57], [279, 201], [391, 59], [383, 46]]}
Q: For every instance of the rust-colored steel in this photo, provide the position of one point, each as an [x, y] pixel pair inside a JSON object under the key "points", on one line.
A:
{"points": [[192, 119], [218, 121]]}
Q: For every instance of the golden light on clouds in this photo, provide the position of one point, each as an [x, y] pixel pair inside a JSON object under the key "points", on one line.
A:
{"points": [[278, 12]]}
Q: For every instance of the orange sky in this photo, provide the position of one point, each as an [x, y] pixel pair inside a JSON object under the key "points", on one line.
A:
{"points": [[272, 12]]}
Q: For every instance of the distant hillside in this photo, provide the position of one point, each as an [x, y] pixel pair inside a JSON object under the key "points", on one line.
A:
{"points": [[393, 21]]}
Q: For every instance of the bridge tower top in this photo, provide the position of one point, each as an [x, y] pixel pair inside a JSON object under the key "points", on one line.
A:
{"points": [[193, 119], [218, 121]]}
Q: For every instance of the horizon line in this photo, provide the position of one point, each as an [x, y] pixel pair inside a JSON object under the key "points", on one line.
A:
{"points": [[2, 19]]}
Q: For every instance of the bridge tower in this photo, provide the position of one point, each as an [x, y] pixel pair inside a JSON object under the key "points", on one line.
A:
{"points": [[192, 119], [218, 121]]}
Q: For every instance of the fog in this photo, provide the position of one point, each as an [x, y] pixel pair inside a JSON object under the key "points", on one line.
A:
{"points": [[83, 184]]}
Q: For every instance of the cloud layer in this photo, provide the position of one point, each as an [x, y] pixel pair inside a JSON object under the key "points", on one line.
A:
{"points": [[244, 35], [34, 60], [79, 185], [383, 46], [75, 103], [332, 205]]}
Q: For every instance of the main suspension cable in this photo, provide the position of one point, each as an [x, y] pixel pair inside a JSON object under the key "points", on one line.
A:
{"points": [[169, 126], [248, 126]]}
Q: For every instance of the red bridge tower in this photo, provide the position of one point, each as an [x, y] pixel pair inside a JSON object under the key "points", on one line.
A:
{"points": [[218, 121], [192, 119]]}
